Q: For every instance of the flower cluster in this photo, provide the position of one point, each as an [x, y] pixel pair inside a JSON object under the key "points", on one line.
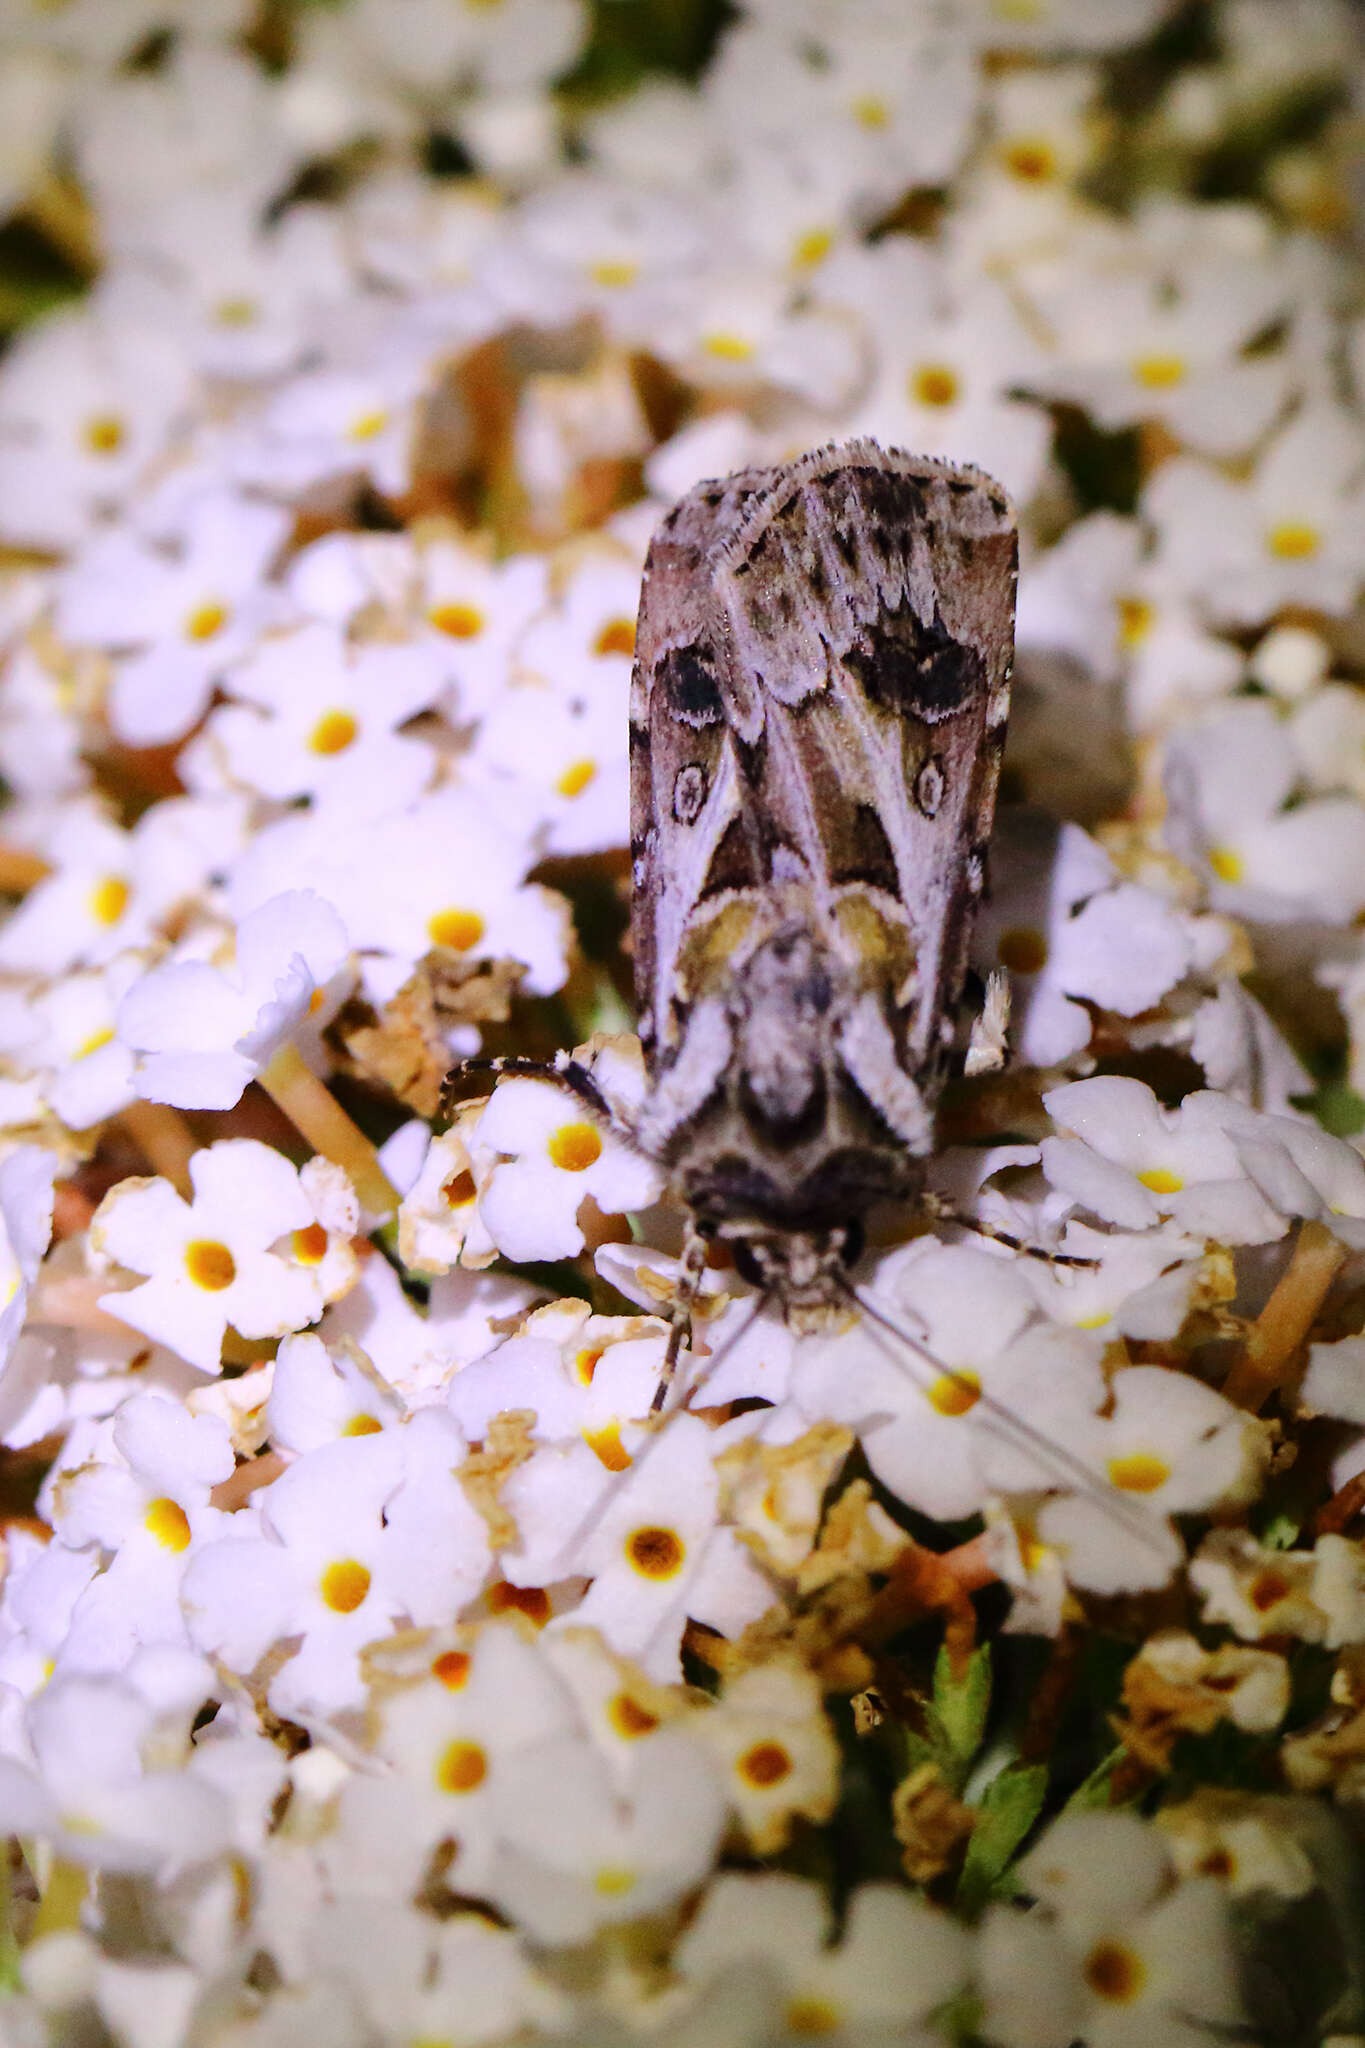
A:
{"points": [[376, 1667]]}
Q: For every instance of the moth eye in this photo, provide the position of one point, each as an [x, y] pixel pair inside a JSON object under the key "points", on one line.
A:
{"points": [[689, 793], [689, 684], [929, 786]]}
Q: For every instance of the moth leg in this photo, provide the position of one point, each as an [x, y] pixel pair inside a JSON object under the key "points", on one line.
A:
{"points": [[942, 1210], [572, 1076], [692, 1266]]}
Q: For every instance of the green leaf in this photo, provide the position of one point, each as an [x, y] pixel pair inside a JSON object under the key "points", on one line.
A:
{"points": [[959, 1708], [1009, 1806], [1092, 1795]]}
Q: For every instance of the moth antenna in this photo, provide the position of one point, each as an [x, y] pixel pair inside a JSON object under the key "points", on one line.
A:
{"points": [[1064, 1465], [572, 1076]]}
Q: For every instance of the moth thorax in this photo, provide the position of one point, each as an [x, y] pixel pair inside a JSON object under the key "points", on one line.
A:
{"points": [[805, 1270]]}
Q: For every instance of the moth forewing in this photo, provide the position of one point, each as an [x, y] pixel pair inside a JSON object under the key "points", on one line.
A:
{"points": [[818, 711]]}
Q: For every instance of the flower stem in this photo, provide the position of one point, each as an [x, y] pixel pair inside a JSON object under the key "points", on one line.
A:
{"points": [[317, 1115], [1275, 1337], [165, 1140]]}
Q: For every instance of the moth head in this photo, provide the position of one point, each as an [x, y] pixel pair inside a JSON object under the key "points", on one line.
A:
{"points": [[806, 1271]]}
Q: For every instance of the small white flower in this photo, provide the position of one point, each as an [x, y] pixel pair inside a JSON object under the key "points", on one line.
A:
{"points": [[1291, 534], [211, 1261], [551, 1157], [90, 1794], [897, 1961], [174, 620], [578, 1852], [315, 717], [1112, 1954], [200, 1035]]}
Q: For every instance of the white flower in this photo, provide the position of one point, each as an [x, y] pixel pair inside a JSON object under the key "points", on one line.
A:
{"points": [[211, 1261], [324, 1570], [87, 401], [948, 355], [578, 1851], [316, 718], [1112, 1954], [26, 1177], [897, 1961], [1291, 534], [1215, 1169], [920, 1423], [175, 620], [550, 1158], [1068, 931], [200, 1034], [1229, 782], [89, 1793], [447, 871], [466, 1720]]}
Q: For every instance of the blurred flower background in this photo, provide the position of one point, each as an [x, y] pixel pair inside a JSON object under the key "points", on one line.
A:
{"points": [[372, 1671]]}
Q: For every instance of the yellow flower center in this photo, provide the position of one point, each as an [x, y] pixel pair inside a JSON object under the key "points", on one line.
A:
{"points": [[367, 425], [344, 1585], [656, 1553], [616, 637], [955, 1393], [1022, 950], [614, 272], [575, 778], [210, 1265], [613, 1881], [93, 1043], [1226, 864], [533, 1602], [238, 312], [1138, 1472], [934, 384], [766, 1763], [109, 900], [310, 1244], [1267, 1590], [870, 110], [451, 1668], [810, 2017], [1293, 540], [575, 1147], [460, 621], [629, 1718], [104, 433], [1031, 159], [206, 620], [1161, 1181], [167, 1521], [728, 347], [462, 1767], [333, 733], [1159, 372], [606, 1445], [1136, 618], [1115, 1972], [812, 248], [457, 929], [363, 1425]]}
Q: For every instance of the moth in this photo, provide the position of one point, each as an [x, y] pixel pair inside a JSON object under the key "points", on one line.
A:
{"points": [[818, 713]]}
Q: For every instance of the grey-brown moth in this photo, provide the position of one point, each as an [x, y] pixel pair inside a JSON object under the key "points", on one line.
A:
{"points": [[817, 717]]}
